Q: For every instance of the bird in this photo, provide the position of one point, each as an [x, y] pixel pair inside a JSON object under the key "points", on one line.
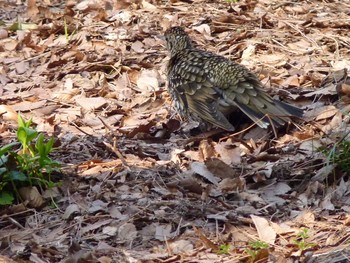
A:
{"points": [[207, 88]]}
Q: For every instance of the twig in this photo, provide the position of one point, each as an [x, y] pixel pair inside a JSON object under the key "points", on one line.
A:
{"points": [[114, 149], [105, 124], [76, 126]]}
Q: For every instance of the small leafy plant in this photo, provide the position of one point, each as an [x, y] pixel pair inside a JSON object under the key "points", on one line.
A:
{"points": [[301, 241], [339, 154], [257, 249], [224, 249], [28, 165]]}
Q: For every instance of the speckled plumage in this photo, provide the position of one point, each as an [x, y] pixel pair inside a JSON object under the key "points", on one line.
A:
{"points": [[207, 87]]}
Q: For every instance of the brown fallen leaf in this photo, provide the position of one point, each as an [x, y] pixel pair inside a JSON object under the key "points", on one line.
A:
{"points": [[89, 104], [32, 9], [201, 169], [232, 185], [205, 240], [32, 195], [7, 113], [207, 150], [28, 105], [220, 168], [265, 231]]}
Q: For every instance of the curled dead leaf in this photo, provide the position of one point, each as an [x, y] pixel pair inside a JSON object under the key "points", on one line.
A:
{"points": [[207, 150], [32, 195], [220, 169], [232, 184], [7, 113], [71, 211], [265, 231], [202, 170], [148, 80]]}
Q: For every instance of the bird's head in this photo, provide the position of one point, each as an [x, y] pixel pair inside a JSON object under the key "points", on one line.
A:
{"points": [[177, 39]]}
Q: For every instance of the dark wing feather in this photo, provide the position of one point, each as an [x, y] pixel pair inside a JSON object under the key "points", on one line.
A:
{"points": [[204, 104], [194, 95], [240, 88]]}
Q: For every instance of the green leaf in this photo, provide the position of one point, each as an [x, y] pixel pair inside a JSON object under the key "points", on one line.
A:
{"points": [[49, 145], [40, 146], [3, 160], [26, 135], [21, 121], [5, 149], [6, 198], [17, 176], [2, 170]]}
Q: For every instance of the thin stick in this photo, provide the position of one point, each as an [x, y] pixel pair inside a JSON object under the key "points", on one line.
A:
{"points": [[114, 149]]}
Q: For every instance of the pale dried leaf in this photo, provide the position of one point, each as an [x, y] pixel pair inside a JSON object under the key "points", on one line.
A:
{"points": [[148, 6], [138, 47], [163, 232], [8, 113], [204, 29], [201, 169], [148, 80], [89, 104], [110, 230], [97, 205], [32, 195], [127, 232], [265, 231], [71, 210], [29, 105], [327, 204], [181, 246]]}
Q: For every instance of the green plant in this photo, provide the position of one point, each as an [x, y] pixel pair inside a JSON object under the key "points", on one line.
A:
{"points": [[224, 249], [255, 249], [301, 241], [339, 154], [65, 27], [29, 164]]}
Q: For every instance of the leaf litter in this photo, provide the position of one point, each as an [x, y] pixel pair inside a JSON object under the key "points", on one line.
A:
{"points": [[137, 185]]}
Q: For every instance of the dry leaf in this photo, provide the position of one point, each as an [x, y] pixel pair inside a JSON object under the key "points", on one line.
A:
{"points": [[32, 195], [163, 232], [90, 104], [71, 211], [205, 240], [8, 113], [148, 80], [265, 231], [220, 169], [201, 169]]}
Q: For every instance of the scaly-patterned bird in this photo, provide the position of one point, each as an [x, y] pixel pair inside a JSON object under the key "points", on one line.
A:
{"points": [[206, 87]]}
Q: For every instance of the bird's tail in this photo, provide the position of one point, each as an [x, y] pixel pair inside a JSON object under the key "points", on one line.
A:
{"points": [[277, 112]]}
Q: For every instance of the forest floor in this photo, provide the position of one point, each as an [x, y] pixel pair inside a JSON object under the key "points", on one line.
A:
{"points": [[138, 183]]}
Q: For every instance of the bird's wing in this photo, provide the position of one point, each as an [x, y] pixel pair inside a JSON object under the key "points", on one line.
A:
{"points": [[200, 98], [241, 88], [255, 104]]}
